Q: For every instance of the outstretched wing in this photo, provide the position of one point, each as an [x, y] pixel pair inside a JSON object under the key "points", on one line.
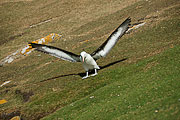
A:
{"points": [[104, 49], [57, 52]]}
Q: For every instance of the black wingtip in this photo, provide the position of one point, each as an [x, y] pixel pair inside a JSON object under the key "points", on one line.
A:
{"points": [[129, 18], [33, 45], [30, 45], [127, 21]]}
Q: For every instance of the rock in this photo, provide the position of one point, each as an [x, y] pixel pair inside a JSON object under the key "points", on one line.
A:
{"points": [[3, 101], [16, 118]]}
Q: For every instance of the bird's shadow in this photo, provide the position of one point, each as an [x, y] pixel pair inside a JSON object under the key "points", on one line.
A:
{"points": [[83, 73]]}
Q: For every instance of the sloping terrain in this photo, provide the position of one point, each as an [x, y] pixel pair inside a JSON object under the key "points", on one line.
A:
{"points": [[139, 79]]}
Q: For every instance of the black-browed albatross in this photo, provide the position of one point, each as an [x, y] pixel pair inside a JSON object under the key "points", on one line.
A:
{"points": [[88, 60]]}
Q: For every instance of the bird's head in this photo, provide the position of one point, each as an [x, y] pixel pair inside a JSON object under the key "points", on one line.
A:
{"points": [[83, 56]]}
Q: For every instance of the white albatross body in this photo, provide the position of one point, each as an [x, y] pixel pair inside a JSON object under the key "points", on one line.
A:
{"points": [[88, 63], [88, 60]]}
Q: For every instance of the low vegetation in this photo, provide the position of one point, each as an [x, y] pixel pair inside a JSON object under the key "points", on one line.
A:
{"points": [[139, 79]]}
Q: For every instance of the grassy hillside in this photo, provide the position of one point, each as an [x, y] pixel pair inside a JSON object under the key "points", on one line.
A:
{"points": [[139, 79], [145, 90]]}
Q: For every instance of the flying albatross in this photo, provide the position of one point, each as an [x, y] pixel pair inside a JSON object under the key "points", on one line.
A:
{"points": [[88, 60]]}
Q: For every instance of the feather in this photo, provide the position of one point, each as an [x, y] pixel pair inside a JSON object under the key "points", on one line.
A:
{"points": [[57, 52], [105, 48]]}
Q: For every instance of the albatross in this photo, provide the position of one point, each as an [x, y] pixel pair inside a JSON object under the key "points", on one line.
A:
{"points": [[88, 60]]}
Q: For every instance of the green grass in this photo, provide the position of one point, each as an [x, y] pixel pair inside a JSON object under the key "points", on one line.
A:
{"points": [[145, 86], [145, 90]]}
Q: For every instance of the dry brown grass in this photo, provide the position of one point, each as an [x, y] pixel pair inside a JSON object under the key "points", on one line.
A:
{"points": [[83, 24]]}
